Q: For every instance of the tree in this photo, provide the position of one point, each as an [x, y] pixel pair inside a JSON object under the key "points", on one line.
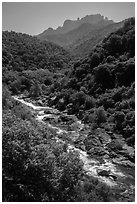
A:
{"points": [[104, 76], [89, 103], [35, 90], [95, 60], [114, 44], [100, 115]]}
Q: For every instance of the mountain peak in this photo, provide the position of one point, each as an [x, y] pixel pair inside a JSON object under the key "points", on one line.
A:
{"points": [[69, 25]]}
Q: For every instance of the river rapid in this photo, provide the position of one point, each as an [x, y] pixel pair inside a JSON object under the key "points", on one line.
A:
{"points": [[91, 165]]}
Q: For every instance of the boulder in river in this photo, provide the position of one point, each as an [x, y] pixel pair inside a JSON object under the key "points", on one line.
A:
{"points": [[47, 111], [103, 172], [114, 177], [97, 151], [40, 103], [67, 118]]}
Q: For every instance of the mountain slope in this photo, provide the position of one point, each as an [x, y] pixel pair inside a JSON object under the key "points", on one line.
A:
{"points": [[101, 87], [74, 30], [73, 24], [84, 45], [76, 36], [72, 36]]}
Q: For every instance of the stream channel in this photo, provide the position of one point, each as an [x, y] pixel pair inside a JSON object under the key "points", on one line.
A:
{"points": [[91, 165]]}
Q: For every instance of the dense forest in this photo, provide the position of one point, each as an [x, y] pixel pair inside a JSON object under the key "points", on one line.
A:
{"points": [[99, 90]]}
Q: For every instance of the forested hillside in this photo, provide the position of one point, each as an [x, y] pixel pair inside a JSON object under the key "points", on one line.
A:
{"points": [[25, 58], [83, 46], [104, 83], [68, 129], [24, 52]]}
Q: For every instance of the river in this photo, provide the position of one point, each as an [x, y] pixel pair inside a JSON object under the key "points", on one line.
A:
{"points": [[91, 165]]}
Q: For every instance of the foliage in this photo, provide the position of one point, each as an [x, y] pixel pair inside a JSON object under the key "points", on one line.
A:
{"points": [[89, 103], [35, 90], [100, 115], [95, 60], [33, 168], [25, 58], [6, 98]]}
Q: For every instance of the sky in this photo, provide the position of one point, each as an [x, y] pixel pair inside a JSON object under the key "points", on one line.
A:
{"points": [[35, 17]]}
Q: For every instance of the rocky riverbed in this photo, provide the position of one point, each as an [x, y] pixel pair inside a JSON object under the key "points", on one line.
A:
{"points": [[105, 155]]}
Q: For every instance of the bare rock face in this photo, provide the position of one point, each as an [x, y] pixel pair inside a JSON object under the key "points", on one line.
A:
{"points": [[69, 25]]}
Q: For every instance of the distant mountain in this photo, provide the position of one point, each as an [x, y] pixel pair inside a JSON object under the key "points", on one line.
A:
{"points": [[80, 33], [73, 24]]}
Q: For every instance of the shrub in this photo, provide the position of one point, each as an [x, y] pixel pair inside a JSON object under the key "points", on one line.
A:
{"points": [[113, 45], [35, 169], [100, 115], [48, 81], [104, 76], [35, 90], [110, 59], [89, 103], [119, 119], [95, 60], [15, 87], [6, 98], [22, 112]]}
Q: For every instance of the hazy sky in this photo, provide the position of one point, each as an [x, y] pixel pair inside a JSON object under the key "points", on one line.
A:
{"points": [[35, 17]]}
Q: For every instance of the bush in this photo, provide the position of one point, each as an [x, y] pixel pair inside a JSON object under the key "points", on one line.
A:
{"points": [[104, 76], [100, 115], [89, 103], [35, 90], [78, 98], [114, 44], [36, 169], [119, 118], [48, 81], [22, 111], [15, 87], [6, 98], [95, 60]]}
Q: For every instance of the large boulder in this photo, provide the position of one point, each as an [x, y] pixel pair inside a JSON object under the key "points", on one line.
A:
{"points": [[91, 141], [96, 151], [103, 172], [67, 118], [115, 145], [47, 111], [64, 118]]}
